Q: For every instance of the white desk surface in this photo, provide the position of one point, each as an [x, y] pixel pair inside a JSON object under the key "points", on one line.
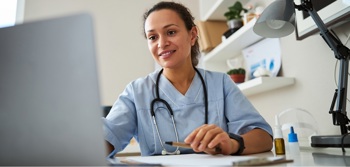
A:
{"points": [[308, 157]]}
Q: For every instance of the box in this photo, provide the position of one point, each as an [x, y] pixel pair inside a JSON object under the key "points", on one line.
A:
{"points": [[210, 34]]}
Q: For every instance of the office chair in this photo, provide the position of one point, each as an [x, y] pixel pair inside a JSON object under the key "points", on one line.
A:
{"points": [[106, 110]]}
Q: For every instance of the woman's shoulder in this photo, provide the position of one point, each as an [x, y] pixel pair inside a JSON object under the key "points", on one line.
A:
{"points": [[217, 79], [145, 80], [212, 74]]}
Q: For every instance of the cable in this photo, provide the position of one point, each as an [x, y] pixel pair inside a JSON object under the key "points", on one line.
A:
{"points": [[347, 39], [334, 34], [335, 78], [336, 63]]}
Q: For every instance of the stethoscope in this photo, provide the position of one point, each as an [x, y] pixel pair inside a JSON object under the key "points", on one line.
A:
{"points": [[158, 99]]}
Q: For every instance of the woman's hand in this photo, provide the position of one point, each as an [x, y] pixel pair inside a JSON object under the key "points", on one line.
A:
{"points": [[211, 136]]}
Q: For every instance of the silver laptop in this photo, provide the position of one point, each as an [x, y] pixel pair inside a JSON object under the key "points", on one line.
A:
{"points": [[50, 112]]}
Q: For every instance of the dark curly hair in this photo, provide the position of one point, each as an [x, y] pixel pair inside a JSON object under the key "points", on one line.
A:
{"points": [[185, 15]]}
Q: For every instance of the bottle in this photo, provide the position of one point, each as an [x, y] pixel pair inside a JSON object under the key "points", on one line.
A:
{"points": [[249, 15], [278, 139], [293, 143]]}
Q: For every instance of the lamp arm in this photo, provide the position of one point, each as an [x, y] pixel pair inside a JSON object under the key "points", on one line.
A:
{"points": [[342, 53]]}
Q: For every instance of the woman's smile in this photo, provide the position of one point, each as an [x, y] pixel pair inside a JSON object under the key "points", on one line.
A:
{"points": [[166, 54]]}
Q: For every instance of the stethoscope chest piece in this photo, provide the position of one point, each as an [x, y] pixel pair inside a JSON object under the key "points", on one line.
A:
{"points": [[165, 152]]}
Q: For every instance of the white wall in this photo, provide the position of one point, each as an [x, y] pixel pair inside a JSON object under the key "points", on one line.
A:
{"points": [[122, 50]]}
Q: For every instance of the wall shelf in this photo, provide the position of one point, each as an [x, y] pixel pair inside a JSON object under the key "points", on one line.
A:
{"points": [[216, 10], [263, 84], [232, 47]]}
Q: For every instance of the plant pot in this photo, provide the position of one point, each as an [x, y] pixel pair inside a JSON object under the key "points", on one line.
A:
{"points": [[238, 78], [235, 23], [233, 26]]}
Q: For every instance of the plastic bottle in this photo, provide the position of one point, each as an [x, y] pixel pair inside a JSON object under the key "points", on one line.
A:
{"points": [[249, 15], [293, 143], [278, 139]]}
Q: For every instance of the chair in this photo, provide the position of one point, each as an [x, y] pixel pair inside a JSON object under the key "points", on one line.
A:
{"points": [[106, 110], [303, 123]]}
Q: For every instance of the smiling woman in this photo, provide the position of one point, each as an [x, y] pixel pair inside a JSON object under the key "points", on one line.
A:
{"points": [[11, 12], [182, 102]]}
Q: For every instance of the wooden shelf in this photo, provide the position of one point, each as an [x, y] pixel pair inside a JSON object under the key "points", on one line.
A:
{"points": [[263, 84]]}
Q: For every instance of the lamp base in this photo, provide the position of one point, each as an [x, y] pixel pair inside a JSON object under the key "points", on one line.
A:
{"points": [[330, 141]]}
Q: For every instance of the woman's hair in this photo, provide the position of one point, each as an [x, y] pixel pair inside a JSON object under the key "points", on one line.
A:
{"points": [[185, 15]]}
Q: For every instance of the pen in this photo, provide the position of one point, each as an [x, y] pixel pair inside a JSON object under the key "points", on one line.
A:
{"points": [[185, 145]]}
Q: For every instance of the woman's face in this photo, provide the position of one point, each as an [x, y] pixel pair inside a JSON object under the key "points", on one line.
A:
{"points": [[168, 39]]}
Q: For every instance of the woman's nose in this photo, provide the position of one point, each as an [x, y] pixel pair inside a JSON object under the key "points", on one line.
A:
{"points": [[163, 42]]}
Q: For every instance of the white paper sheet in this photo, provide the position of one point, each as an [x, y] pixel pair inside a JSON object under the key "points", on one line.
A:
{"points": [[194, 159]]}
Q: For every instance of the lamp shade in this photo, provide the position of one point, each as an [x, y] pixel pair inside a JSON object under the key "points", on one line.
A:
{"points": [[277, 20]]}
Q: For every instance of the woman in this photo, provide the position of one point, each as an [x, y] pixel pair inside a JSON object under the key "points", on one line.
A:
{"points": [[181, 102]]}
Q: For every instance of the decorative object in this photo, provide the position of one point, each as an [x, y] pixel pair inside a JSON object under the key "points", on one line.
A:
{"points": [[265, 53], [237, 75], [262, 72], [234, 18], [249, 14], [277, 21], [210, 34]]}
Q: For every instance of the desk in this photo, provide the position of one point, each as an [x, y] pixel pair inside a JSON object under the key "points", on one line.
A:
{"points": [[308, 157], [320, 157]]}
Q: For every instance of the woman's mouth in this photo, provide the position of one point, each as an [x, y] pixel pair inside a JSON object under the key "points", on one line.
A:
{"points": [[166, 53]]}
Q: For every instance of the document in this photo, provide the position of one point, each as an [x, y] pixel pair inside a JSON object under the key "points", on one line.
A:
{"points": [[200, 160]]}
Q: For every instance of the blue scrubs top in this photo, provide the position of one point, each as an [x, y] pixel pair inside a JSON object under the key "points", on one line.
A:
{"points": [[130, 115]]}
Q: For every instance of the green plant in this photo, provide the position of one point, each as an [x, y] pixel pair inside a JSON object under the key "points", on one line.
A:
{"points": [[235, 11], [236, 71]]}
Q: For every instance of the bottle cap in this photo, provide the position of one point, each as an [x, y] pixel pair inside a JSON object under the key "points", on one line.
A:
{"points": [[292, 137], [278, 131]]}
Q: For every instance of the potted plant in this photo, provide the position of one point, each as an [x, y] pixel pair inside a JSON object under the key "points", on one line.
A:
{"points": [[237, 75], [234, 18]]}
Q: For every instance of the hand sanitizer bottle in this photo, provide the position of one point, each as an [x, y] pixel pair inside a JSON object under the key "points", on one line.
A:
{"points": [[293, 143], [278, 138]]}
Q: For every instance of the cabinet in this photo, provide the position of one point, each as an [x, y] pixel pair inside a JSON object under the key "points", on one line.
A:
{"points": [[232, 47]]}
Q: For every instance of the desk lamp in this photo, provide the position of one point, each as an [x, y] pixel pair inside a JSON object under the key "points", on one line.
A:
{"points": [[277, 20]]}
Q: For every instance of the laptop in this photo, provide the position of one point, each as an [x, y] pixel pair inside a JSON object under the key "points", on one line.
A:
{"points": [[50, 110]]}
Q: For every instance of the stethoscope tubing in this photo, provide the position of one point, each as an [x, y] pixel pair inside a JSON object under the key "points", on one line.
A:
{"points": [[158, 99]]}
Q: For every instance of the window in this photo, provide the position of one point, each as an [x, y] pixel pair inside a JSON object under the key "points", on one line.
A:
{"points": [[11, 12]]}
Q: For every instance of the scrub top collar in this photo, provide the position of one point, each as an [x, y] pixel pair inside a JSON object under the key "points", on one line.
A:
{"points": [[193, 94]]}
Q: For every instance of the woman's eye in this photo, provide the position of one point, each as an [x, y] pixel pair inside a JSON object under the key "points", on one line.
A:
{"points": [[152, 38], [171, 32]]}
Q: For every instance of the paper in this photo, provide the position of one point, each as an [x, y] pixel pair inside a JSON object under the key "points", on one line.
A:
{"points": [[266, 54], [195, 159]]}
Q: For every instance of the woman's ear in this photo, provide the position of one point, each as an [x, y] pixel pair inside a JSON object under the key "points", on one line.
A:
{"points": [[194, 35]]}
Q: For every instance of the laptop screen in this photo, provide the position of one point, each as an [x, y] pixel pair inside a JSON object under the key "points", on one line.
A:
{"points": [[50, 111]]}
